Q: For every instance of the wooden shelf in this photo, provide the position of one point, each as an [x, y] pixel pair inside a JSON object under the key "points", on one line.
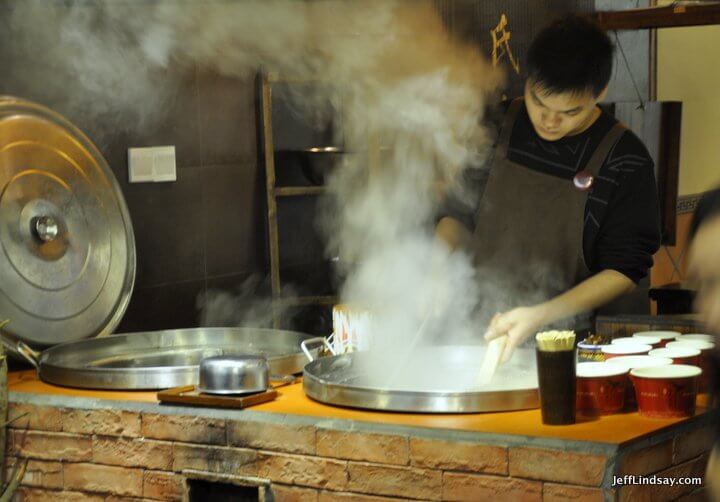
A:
{"points": [[670, 16], [295, 191]]}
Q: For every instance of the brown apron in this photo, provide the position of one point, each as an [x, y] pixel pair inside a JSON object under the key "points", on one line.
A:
{"points": [[528, 241]]}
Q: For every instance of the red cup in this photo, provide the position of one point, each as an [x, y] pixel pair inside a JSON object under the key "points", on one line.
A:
{"points": [[632, 362], [625, 349], [665, 336], [666, 391], [679, 355], [600, 388], [705, 363]]}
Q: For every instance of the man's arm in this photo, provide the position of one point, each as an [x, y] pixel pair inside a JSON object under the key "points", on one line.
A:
{"points": [[518, 324]]}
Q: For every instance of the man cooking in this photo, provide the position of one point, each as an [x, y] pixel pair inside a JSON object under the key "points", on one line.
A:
{"points": [[568, 215]]}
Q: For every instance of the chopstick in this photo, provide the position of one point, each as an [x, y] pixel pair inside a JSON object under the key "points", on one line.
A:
{"points": [[555, 341]]}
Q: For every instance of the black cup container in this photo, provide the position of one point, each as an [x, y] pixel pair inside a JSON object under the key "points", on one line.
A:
{"points": [[556, 378]]}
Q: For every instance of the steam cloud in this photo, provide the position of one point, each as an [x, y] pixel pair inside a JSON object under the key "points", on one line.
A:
{"points": [[407, 90]]}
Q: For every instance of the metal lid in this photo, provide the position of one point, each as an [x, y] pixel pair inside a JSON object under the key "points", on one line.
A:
{"points": [[67, 265]]}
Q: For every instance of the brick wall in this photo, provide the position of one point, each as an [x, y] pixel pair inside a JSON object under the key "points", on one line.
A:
{"points": [[113, 455]]}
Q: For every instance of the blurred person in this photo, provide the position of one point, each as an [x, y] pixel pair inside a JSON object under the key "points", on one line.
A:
{"points": [[704, 259], [704, 272]]}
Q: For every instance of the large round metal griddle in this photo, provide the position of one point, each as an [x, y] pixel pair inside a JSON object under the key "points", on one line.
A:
{"points": [[162, 359], [430, 380], [67, 265]]}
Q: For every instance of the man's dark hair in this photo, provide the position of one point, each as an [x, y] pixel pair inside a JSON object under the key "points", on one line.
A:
{"points": [[571, 55]]}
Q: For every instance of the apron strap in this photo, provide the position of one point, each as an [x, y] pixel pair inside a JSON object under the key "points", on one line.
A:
{"points": [[603, 149], [507, 127]]}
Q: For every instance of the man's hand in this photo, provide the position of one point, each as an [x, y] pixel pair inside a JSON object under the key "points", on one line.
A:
{"points": [[518, 324], [522, 322]]}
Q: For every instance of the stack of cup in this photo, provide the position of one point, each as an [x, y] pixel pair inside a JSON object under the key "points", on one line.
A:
{"points": [[633, 362], [664, 336], [666, 391], [601, 388], [705, 344]]}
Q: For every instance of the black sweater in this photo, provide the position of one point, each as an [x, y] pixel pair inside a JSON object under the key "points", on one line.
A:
{"points": [[622, 223]]}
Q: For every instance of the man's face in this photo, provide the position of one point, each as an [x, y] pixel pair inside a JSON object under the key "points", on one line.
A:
{"points": [[555, 116]]}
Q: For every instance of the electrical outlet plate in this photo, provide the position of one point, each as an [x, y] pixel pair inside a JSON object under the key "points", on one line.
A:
{"points": [[151, 164]]}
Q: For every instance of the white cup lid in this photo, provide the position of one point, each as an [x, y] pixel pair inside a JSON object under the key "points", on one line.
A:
{"points": [[624, 339], [626, 348], [673, 352], [599, 369], [696, 336], [663, 335], [697, 344], [649, 340], [640, 361], [671, 371]]}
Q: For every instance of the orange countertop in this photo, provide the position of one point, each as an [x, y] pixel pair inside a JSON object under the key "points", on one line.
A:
{"points": [[613, 429]]}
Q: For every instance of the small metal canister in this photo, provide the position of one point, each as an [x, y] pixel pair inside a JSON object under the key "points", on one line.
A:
{"points": [[587, 353], [243, 374]]}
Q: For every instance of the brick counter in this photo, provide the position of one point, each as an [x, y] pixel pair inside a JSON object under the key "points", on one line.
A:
{"points": [[96, 448]]}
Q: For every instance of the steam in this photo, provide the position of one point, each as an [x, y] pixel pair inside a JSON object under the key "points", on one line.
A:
{"points": [[248, 305], [409, 98]]}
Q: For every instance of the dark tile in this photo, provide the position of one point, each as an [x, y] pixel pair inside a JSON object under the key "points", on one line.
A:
{"points": [[255, 282], [303, 116], [114, 148], [300, 238], [312, 319], [237, 300], [169, 306], [176, 121], [244, 300], [169, 229], [292, 169], [104, 89], [227, 119], [234, 220]]}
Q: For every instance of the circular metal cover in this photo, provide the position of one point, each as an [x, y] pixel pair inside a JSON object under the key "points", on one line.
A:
{"points": [[67, 266]]}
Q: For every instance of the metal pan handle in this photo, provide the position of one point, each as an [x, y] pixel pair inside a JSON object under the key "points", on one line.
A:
{"points": [[282, 380], [32, 356], [317, 340], [10, 343]]}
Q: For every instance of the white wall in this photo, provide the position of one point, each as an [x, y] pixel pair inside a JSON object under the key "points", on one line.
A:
{"points": [[688, 70]]}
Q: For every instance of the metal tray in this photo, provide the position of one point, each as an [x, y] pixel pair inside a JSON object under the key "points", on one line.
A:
{"points": [[434, 380], [160, 359]]}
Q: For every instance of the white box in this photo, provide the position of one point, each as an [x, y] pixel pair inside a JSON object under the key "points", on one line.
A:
{"points": [[155, 163]]}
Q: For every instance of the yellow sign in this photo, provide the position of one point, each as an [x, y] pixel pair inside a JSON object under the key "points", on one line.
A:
{"points": [[501, 44]]}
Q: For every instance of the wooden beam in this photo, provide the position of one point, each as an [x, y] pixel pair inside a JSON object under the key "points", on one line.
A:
{"points": [[299, 190], [671, 16]]}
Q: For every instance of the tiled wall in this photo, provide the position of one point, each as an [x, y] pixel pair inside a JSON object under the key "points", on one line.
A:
{"points": [[199, 232]]}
